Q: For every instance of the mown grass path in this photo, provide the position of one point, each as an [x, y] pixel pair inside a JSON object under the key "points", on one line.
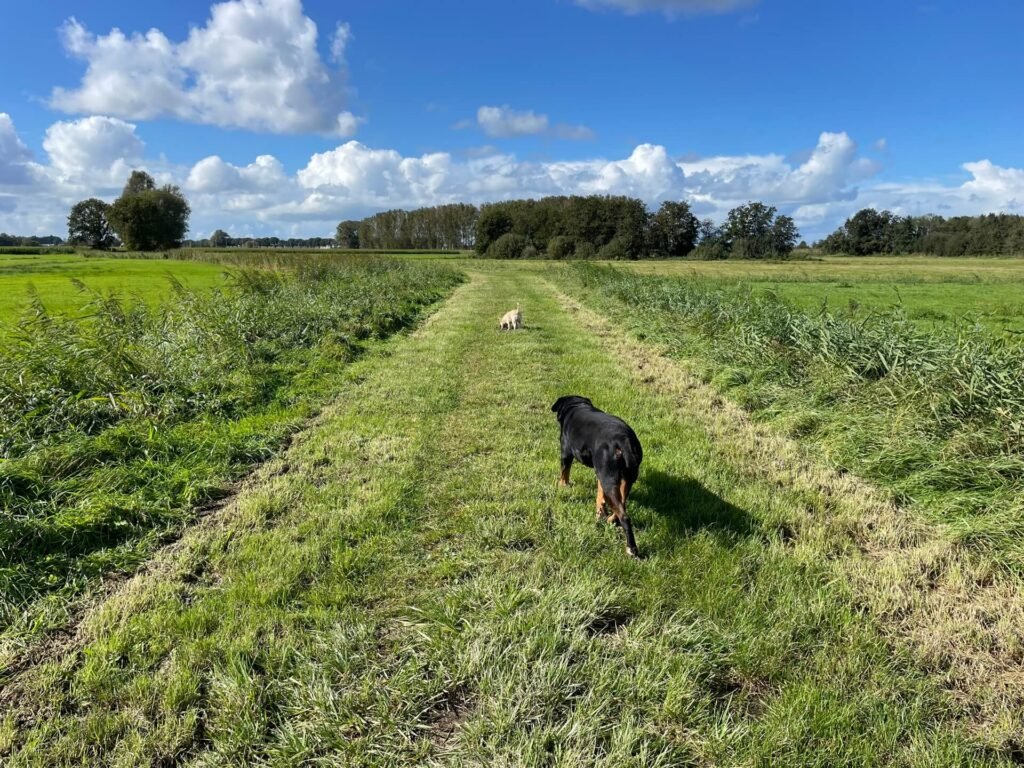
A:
{"points": [[408, 586]]}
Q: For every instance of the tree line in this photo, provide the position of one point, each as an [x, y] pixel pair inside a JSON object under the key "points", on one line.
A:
{"points": [[221, 239], [882, 232], [577, 227], [7, 240], [440, 227]]}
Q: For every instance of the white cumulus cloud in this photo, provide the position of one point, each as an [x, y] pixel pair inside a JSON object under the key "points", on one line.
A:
{"points": [[253, 65], [830, 172], [365, 176], [93, 156], [14, 155], [96, 152], [504, 122], [212, 174]]}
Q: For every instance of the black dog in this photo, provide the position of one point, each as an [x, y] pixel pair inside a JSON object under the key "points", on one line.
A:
{"points": [[610, 446]]}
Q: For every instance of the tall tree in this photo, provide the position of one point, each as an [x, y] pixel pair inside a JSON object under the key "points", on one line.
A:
{"points": [[347, 235], [88, 224], [673, 230], [494, 221], [146, 218], [219, 238], [137, 183], [784, 236], [749, 229]]}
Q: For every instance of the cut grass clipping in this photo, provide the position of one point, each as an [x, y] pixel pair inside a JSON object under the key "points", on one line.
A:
{"points": [[117, 423]]}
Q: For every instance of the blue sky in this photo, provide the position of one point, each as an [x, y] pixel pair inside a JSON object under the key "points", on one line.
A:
{"points": [[282, 117]]}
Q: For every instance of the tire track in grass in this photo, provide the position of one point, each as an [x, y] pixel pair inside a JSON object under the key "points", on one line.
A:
{"points": [[414, 589]]}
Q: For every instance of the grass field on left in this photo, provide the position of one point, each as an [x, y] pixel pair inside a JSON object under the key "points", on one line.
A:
{"points": [[50, 276], [131, 398]]}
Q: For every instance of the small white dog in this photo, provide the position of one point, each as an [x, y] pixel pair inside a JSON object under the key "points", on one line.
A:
{"points": [[512, 320]]}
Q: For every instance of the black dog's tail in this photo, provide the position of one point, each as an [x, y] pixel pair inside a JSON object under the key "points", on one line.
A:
{"points": [[625, 459]]}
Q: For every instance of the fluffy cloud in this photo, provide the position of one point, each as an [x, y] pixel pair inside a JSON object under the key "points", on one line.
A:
{"points": [[829, 173], [254, 65], [354, 177], [223, 193], [504, 122], [14, 155], [94, 152], [93, 156], [990, 189], [212, 174], [991, 182], [369, 177], [670, 8]]}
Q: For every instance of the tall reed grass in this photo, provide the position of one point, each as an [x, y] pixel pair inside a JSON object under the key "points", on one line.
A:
{"points": [[116, 424], [936, 415]]}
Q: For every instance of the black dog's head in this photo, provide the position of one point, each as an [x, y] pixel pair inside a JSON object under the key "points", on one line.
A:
{"points": [[566, 403]]}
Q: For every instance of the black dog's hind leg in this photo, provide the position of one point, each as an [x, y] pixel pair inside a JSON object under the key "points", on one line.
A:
{"points": [[602, 503], [563, 478], [616, 491]]}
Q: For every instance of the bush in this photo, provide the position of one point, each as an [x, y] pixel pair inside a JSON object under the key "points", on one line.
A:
{"points": [[585, 250], [561, 247], [530, 252], [35, 250], [711, 251], [614, 250], [508, 246], [493, 223]]}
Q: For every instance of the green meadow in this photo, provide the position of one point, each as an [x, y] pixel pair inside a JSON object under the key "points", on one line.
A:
{"points": [[931, 291], [366, 560], [52, 278]]}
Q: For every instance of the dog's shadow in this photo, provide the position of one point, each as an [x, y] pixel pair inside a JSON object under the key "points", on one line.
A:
{"points": [[687, 506]]}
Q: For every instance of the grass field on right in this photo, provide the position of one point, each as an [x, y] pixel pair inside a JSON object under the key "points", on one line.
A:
{"points": [[931, 291], [910, 379]]}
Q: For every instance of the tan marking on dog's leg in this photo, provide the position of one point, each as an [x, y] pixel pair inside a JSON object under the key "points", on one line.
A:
{"points": [[622, 517], [563, 478], [602, 511]]}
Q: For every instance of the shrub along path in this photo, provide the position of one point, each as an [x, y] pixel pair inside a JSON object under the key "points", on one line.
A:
{"points": [[407, 585]]}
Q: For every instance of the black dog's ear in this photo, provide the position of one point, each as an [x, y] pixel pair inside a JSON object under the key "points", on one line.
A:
{"points": [[566, 400]]}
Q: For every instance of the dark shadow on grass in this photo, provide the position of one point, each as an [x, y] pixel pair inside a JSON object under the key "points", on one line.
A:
{"points": [[526, 328], [688, 507]]}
